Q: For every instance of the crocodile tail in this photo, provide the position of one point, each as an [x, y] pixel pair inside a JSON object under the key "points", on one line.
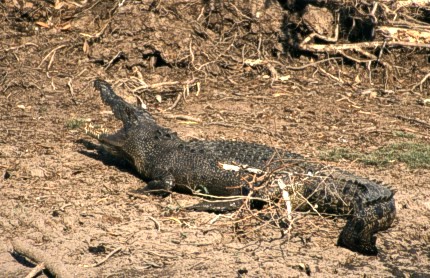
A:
{"points": [[368, 218], [129, 114], [370, 205]]}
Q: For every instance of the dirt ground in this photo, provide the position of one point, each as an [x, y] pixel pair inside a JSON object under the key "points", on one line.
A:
{"points": [[63, 198]]}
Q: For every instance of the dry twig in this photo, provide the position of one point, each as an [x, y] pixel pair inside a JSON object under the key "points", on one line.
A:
{"points": [[36, 270], [157, 224], [72, 92], [52, 52], [182, 117], [328, 48], [21, 46], [105, 259], [420, 84], [137, 196], [412, 120]]}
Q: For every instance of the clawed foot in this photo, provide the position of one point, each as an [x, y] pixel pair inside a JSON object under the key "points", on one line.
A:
{"points": [[146, 191], [216, 206]]}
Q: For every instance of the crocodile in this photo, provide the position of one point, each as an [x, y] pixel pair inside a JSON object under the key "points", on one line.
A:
{"points": [[222, 169]]}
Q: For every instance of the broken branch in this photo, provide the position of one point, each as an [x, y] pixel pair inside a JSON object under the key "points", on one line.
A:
{"points": [[54, 266]]}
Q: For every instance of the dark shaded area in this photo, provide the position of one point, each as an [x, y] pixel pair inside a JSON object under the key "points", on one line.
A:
{"points": [[97, 249], [22, 260], [104, 156]]}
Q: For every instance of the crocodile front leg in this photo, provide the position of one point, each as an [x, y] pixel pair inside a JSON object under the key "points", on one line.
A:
{"points": [[217, 206], [161, 187]]}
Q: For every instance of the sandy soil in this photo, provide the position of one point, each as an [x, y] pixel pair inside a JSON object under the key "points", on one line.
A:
{"points": [[65, 199]]}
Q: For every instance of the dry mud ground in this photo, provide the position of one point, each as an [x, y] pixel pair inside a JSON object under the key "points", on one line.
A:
{"points": [[66, 200]]}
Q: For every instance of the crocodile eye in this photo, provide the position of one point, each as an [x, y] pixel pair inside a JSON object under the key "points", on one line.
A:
{"points": [[379, 211], [359, 225]]}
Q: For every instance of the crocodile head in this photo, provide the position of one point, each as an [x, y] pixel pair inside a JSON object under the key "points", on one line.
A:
{"points": [[132, 117], [139, 135]]}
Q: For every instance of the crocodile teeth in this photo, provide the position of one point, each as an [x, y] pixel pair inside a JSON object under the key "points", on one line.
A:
{"points": [[95, 131]]}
